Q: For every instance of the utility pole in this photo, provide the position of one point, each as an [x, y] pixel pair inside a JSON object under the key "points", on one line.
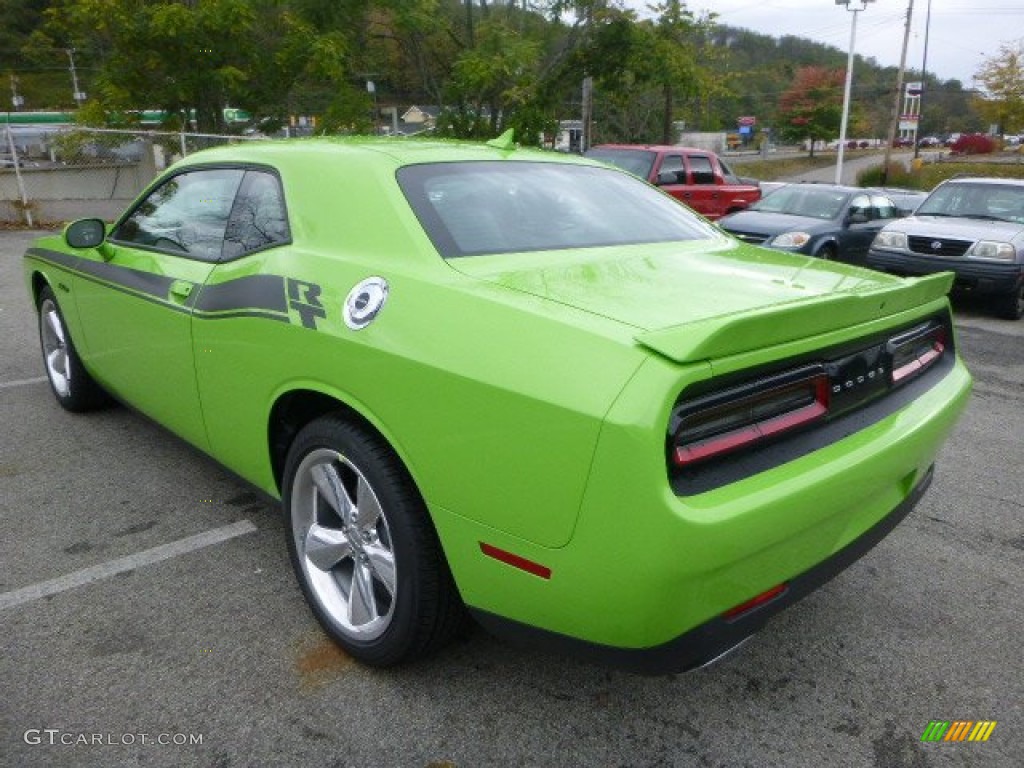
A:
{"points": [[588, 113], [371, 88], [79, 96], [924, 70], [860, 5], [586, 15], [17, 100], [894, 118]]}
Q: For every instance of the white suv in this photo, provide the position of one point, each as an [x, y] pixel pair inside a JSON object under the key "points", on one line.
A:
{"points": [[973, 227]]}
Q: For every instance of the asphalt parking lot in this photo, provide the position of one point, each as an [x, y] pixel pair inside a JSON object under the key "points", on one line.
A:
{"points": [[150, 617]]}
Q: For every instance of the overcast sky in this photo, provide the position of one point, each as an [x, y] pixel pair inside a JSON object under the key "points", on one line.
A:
{"points": [[962, 33]]}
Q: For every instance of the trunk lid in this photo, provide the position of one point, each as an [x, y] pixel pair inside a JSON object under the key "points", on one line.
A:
{"points": [[702, 299]]}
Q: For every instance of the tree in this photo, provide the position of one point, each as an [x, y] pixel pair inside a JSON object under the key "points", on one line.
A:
{"points": [[491, 80], [1002, 78], [680, 58], [191, 58], [812, 108], [487, 65]]}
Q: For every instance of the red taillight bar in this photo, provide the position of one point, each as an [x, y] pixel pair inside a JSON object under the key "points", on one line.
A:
{"points": [[935, 339], [753, 432], [919, 363]]}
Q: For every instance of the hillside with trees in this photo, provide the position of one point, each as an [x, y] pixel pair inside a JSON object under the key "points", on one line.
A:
{"points": [[485, 65]]}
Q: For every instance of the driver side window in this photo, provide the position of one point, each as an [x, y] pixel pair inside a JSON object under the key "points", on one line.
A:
{"points": [[187, 214]]}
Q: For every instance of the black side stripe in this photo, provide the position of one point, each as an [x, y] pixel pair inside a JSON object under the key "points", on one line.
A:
{"points": [[134, 280], [264, 292], [255, 296]]}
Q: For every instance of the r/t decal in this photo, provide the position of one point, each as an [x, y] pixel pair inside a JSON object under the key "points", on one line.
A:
{"points": [[304, 298]]}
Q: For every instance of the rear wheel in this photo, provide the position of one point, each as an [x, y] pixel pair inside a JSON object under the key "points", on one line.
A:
{"points": [[1011, 306], [72, 385], [363, 547]]}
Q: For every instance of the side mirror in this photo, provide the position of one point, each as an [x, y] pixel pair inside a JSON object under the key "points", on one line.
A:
{"points": [[85, 233], [667, 177], [858, 217]]}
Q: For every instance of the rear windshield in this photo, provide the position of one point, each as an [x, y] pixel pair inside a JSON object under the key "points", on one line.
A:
{"points": [[639, 162], [502, 207]]}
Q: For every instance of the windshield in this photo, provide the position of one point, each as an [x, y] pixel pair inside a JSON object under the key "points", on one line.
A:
{"points": [[990, 202], [802, 200], [501, 207], [639, 162]]}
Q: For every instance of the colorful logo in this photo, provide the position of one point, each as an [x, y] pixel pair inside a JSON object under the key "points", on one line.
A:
{"points": [[958, 730]]}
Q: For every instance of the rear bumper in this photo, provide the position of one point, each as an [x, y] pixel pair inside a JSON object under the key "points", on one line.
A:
{"points": [[709, 641], [972, 276]]}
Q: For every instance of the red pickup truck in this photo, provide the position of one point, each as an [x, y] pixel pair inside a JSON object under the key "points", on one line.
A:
{"points": [[697, 177]]}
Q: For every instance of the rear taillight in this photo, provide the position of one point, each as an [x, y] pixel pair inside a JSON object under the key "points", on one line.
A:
{"points": [[747, 415], [914, 352]]}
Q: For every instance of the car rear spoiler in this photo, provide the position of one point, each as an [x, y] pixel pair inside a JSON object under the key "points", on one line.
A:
{"points": [[730, 335]]}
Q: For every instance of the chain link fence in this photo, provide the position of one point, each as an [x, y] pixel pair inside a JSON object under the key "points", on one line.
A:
{"points": [[53, 174]]}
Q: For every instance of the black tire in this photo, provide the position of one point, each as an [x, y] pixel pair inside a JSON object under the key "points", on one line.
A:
{"points": [[363, 547], [827, 252], [1011, 305], [71, 384]]}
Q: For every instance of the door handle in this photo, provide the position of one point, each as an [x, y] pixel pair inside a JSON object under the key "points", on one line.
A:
{"points": [[181, 289]]}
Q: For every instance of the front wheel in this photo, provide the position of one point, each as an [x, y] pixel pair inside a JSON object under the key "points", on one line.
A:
{"points": [[363, 547], [827, 252], [72, 385], [1011, 306]]}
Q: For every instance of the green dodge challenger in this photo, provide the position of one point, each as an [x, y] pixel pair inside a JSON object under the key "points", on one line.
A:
{"points": [[511, 382]]}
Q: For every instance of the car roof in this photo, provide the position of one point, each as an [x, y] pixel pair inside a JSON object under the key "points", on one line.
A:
{"points": [[828, 187], [392, 151], [985, 180], [652, 147], [896, 191]]}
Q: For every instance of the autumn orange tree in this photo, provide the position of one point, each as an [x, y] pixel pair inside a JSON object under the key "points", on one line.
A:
{"points": [[812, 108]]}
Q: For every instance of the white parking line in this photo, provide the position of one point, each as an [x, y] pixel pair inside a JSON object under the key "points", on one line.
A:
{"points": [[21, 382], [122, 564]]}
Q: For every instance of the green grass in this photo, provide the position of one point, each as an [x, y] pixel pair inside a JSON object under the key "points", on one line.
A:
{"points": [[931, 174], [771, 170], [900, 174]]}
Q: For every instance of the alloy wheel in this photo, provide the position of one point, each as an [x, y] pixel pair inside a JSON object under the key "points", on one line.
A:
{"points": [[55, 350], [344, 544]]}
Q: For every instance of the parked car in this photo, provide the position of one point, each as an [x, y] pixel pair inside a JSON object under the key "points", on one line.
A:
{"points": [[973, 227], [823, 220], [906, 200], [512, 381], [767, 187], [697, 177], [929, 142]]}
